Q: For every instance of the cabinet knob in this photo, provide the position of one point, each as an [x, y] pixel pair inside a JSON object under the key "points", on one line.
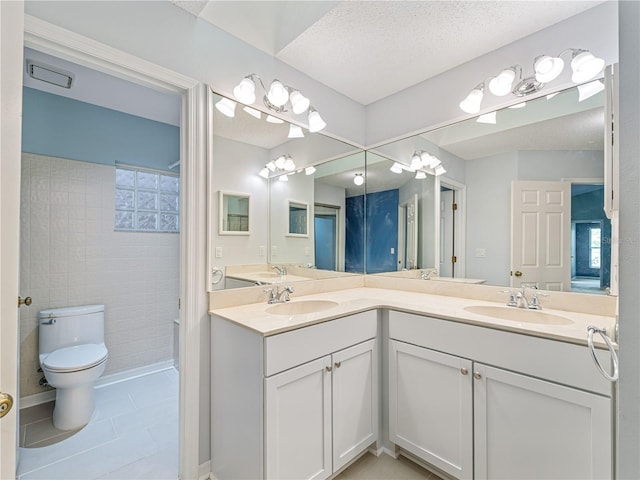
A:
{"points": [[337, 364], [464, 371], [328, 368], [477, 376]]}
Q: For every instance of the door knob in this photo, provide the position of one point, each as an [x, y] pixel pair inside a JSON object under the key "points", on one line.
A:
{"points": [[24, 301], [518, 273], [6, 402]]}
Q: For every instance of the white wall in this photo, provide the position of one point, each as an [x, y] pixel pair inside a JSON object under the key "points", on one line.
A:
{"points": [[235, 169], [70, 255], [489, 201]]}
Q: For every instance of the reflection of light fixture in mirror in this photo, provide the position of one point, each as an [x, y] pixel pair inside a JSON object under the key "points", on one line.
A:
{"points": [[289, 165], [253, 112], [429, 160], [471, 104], [283, 178], [588, 90], [295, 131], [519, 105], [396, 168], [272, 119], [358, 179], [315, 121], [226, 107], [280, 161], [310, 170], [271, 166], [584, 64], [264, 173], [551, 95], [487, 118], [440, 170], [502, 84], [278, 98], [420, 175], [416, 161]]}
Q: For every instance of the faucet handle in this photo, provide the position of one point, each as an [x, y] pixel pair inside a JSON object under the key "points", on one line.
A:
{"points": [[512, 302], [534, 303]]}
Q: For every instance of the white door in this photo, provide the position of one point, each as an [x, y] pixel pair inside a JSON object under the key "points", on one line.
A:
{"points": [[447, 229], [298, 422], [355, 401], [412, 233], [541, 234], [529, 428], [11, 47], [430, 407]]}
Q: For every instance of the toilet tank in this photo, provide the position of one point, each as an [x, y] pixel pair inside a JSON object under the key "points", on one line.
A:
{"points": [[68, 326]]}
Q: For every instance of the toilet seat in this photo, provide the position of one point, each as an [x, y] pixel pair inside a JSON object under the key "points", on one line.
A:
{"points": [[77, 357]]}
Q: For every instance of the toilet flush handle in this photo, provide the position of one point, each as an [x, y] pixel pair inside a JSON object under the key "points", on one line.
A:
{"points": [[51, 321]]}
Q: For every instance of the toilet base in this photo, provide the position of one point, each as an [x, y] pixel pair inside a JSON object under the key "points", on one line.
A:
{"points": [[74, 407]]}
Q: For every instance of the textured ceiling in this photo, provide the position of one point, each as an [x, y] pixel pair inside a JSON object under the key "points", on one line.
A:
{"points": [[368, 50]]}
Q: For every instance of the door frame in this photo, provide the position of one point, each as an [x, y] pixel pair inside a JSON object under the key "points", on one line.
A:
{"points": [[54, 40], [460, 222]]}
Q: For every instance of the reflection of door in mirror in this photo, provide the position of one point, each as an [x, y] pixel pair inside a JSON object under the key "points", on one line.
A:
{"points": [[326, 228], [408, 234], [452, 242]]}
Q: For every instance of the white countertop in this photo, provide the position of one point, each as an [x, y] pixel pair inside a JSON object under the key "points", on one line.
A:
{"points": [[256, 317]]}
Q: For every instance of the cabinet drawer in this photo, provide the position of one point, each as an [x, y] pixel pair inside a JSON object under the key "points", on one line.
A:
{"points": [[289, 349], [560, 362]]}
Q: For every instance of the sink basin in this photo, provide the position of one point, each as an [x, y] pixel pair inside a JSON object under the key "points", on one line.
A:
{"points": [[301, 307], [519, 315]]}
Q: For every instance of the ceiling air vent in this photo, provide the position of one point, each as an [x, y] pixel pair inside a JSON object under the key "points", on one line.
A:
{"points": [[49, 74]]}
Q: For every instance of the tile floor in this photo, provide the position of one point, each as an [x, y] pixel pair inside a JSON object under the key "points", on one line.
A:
{"points": [[384, 467], [133, 435]]}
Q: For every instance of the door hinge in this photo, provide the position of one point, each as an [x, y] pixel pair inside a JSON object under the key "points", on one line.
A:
{"points": [[178, 304], [454, 206], [454, 259]]}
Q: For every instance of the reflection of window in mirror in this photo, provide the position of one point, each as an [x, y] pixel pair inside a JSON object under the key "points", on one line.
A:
{"points": [[298, 219], [234, 213]]}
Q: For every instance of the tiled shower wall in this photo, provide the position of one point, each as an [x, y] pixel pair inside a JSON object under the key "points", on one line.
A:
{"points": [[71, 255]]}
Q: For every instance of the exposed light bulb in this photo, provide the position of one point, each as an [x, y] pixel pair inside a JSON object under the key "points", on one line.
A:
{"points": [[264, 173], [227, 107], [416, 161], [245, 91], [280, 161], [502, 84], [358, 179], [310, 170], [278, 93], [289, 165], [585, 66]]}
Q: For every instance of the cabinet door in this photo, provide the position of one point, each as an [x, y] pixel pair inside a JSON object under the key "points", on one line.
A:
{"points": [[355, 401], [430, 407], [298, 422], [526, 428]]}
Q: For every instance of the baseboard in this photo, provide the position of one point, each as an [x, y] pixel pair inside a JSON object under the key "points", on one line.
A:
{"points": [[204, 471], [50, 395]]}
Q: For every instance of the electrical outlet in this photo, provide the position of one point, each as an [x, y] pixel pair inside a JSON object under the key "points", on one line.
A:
{"points": [[393, 250], [481, 252], [218, 252]]}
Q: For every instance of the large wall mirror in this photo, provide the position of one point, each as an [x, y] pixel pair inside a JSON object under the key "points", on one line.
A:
{"points": [[553, 147], [244, 247]]}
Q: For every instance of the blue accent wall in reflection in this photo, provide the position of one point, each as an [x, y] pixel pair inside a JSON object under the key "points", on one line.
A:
{"points": [[354, 234], [382, 231]]}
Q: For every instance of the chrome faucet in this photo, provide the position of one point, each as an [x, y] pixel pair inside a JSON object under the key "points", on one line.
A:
{"points": [[275, 295], [281, 269], [429, 273], [520, 300]]}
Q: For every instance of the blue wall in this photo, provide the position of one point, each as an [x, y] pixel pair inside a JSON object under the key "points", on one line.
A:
{"points": [[354, 234], [382, 231], [61, 127]]}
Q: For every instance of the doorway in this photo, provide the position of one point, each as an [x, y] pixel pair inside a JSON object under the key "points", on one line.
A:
{"points": [[451, 244], [326, 230]]}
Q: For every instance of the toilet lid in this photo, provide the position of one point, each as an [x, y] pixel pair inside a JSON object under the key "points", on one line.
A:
{"points": [[77, 357]]}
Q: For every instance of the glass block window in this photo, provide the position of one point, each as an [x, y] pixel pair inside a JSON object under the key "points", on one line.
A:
{"points": [[147, 201]]}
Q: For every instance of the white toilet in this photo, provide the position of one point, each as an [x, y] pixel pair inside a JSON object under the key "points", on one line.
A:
{"points": [[72, 355]]}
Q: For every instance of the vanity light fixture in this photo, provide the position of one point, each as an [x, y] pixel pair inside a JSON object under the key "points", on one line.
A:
{"points": [[429, 160], [264, 173], [396, 168], [584, 65], [272, 119], [227, 107], [518, 105], [420, 175], [358, 179], [588, 90], [310, 170], [278, 98], [253, 112], [487, 118], [416, 161], [283, 178], [284, 163], [440, 170]]}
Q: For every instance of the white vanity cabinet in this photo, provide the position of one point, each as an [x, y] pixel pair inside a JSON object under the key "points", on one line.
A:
{"points": [[297, 405], [490, 404]]}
